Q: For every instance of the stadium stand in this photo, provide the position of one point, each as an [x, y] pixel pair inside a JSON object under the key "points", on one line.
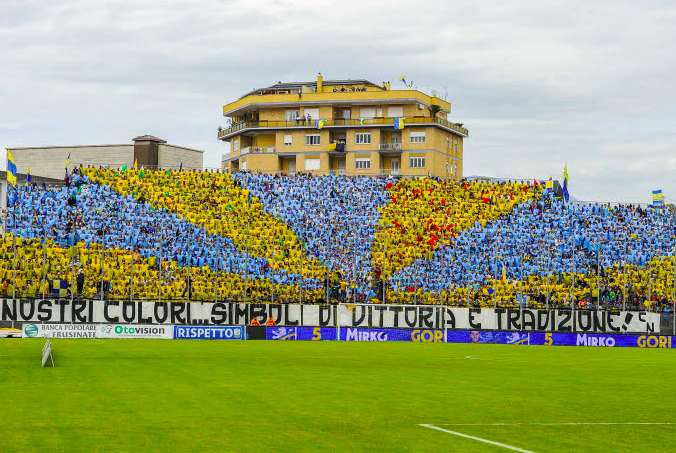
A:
{"points": [[424, 214], [334, 216], [214, 201], [149, 234], [546, 238]]}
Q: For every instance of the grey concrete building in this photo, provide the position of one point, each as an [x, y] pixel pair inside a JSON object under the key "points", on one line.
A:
{"points": [[149, 151]]}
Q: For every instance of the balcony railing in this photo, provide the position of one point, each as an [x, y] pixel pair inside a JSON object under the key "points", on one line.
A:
{"points": [[390, 147], [318, 124], [256, 150]]}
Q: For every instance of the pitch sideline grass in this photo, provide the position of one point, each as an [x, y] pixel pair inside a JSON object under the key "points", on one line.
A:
{"points": [[147, 395]]}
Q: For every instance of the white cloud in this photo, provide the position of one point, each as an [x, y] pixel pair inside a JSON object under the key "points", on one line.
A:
{"points": [[538, 83]]}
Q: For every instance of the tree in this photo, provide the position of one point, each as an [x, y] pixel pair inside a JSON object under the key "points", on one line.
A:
{"points": [[434, 109]]}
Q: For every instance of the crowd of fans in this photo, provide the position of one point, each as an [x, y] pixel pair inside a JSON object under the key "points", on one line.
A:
{"points": [[335, 217], [138, 233], [547, 238], [214, 201], [424, 214], [45, 269]]}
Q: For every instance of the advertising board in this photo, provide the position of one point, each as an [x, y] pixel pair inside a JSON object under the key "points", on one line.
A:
{"points": [[134, 331], [209, 333]]}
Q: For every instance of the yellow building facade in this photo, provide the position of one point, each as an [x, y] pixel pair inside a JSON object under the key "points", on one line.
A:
{"points": [[351, 127]]}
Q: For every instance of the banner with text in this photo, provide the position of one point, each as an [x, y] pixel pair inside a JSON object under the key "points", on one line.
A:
{"points": [[346, 315]]}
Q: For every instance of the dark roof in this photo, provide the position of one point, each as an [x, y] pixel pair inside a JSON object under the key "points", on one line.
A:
{"points": [[296, 85], [148, 138]]}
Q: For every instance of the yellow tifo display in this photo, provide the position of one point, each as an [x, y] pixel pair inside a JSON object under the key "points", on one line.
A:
{"points": [[654, 281], [213, 201], [38, 266], [424, 214]]}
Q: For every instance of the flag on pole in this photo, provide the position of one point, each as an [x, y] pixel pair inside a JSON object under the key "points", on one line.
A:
{"points": [[549, 184], [566, 195], [658, 197], [66, 179], [11, 168]]}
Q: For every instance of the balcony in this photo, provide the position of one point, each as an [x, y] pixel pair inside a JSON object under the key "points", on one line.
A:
{"points": [[361, 122], [390, 147], [256, 150]]}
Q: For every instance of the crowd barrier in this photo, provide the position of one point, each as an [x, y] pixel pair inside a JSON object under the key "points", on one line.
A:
{"points": [[348, 334]]}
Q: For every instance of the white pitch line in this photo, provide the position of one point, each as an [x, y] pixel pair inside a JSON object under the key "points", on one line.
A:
{"points": [[478, 439], [558, 424]]}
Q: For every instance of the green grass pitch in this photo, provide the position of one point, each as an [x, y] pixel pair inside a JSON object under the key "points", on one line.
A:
{"points": [[154, 395]]}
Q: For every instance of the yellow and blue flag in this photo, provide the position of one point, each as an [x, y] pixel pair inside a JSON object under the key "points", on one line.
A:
{"points": [[566, 195], [658, 197], [11, 168], [398, 123], [319, 124]]}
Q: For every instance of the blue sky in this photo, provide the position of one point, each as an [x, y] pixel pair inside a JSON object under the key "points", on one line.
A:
{"points": [[538, 83]]}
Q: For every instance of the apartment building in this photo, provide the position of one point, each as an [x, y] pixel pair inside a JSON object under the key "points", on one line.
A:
{"points": [[352, 127]]}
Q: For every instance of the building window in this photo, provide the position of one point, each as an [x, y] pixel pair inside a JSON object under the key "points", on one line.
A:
{"points": [[312, 164], [314, 113], [367, 112], [417, 137], [363, 138], [416, 162], [287, 139], [291, 115], [242, 165], [362, 163], [235, 144], [313, 139], [395, 112]]}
